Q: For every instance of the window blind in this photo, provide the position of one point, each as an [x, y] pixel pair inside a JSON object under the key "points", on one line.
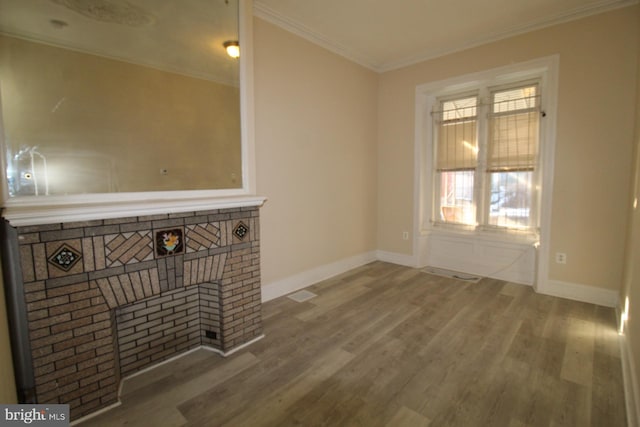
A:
{"points": [[457, 135], [513, 130]]}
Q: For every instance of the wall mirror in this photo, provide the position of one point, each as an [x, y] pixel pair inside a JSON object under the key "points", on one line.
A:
{"points": [[119, 96]]}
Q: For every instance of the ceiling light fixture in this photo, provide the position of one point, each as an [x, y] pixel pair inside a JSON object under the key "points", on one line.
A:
{"points": [[232, 47]]}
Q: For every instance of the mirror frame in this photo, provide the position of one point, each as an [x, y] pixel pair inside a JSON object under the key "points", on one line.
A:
{"points": [[32, 210]]}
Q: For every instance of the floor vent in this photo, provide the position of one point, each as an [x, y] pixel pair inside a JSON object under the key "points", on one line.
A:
{"points": [[470, 278], [301, 296]]}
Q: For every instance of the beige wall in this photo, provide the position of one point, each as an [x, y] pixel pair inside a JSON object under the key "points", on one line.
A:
{"points": [[107, 125], [315, 152], [7, 382], [631, 286], [593, 147]]}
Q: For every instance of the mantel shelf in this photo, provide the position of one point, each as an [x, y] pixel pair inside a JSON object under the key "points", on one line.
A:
{"points": [[43, 210]]}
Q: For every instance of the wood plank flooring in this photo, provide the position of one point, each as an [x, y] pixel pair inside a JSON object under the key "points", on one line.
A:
{"points": [[385, 345]]}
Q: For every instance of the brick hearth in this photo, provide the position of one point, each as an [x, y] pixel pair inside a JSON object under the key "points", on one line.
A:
{"points": [[107, 298]]}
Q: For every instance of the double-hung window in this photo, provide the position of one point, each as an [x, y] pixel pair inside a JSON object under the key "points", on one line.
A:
{"points": [[486, 147]]}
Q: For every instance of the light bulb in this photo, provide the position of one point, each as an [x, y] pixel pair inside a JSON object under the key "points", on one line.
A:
{"points": [[233, 48]]}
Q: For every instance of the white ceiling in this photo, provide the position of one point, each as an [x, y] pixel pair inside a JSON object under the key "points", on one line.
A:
{"points": [[388, 34], [186, 36]]}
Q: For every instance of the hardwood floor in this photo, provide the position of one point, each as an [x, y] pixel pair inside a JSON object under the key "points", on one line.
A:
{"points": [[385, 345]]}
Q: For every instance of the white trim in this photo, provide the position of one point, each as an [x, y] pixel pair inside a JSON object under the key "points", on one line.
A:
{"points": [[299, 281], [422, 180], [547, 164], [233, 350], [157, 365], [96, 413], [247, 115], [580, 292], [31, 210], [630, 380], [22, 214], [397, 258], [180, 355], [261, 10], [421, 248]]}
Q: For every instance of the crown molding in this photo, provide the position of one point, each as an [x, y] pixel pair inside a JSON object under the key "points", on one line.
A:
{"points": [[575, 14], [266, 13]]}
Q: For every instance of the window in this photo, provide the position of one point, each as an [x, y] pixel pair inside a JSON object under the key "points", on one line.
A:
{"points": [[486, 157]]}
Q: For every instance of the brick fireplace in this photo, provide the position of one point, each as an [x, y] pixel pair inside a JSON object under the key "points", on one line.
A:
{"points": [[107, 298]]}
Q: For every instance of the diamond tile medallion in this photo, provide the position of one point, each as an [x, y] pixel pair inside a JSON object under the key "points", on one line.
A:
{"points": [[241, 230], [64, 258]]}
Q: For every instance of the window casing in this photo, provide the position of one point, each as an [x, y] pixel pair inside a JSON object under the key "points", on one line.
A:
{"points": [[486, 158]]}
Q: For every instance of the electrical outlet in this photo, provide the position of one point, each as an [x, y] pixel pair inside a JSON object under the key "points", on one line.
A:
{"points": [[405, 235], [561, 258]]}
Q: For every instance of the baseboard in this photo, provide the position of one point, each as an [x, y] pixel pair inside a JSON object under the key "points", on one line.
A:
{"points": [[94, 414], [631, 390], [396, 258], [233, 350], [307, 278], [579, 292], [572, 291]]}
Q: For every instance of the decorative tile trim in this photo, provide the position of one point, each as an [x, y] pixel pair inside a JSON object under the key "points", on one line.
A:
{"points": [[126, 248], [65, 257], [202, 236]]}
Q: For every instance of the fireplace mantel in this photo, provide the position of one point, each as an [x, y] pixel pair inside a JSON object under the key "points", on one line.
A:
{"points": [[27, 211], [106, 290]]}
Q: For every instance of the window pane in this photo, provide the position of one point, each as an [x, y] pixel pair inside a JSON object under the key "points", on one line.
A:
{"points": [[513, 130], [513, 141], [456, 126], [510, 203], [456, 197], [522, 98], [457, 146], [459, 108]]}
